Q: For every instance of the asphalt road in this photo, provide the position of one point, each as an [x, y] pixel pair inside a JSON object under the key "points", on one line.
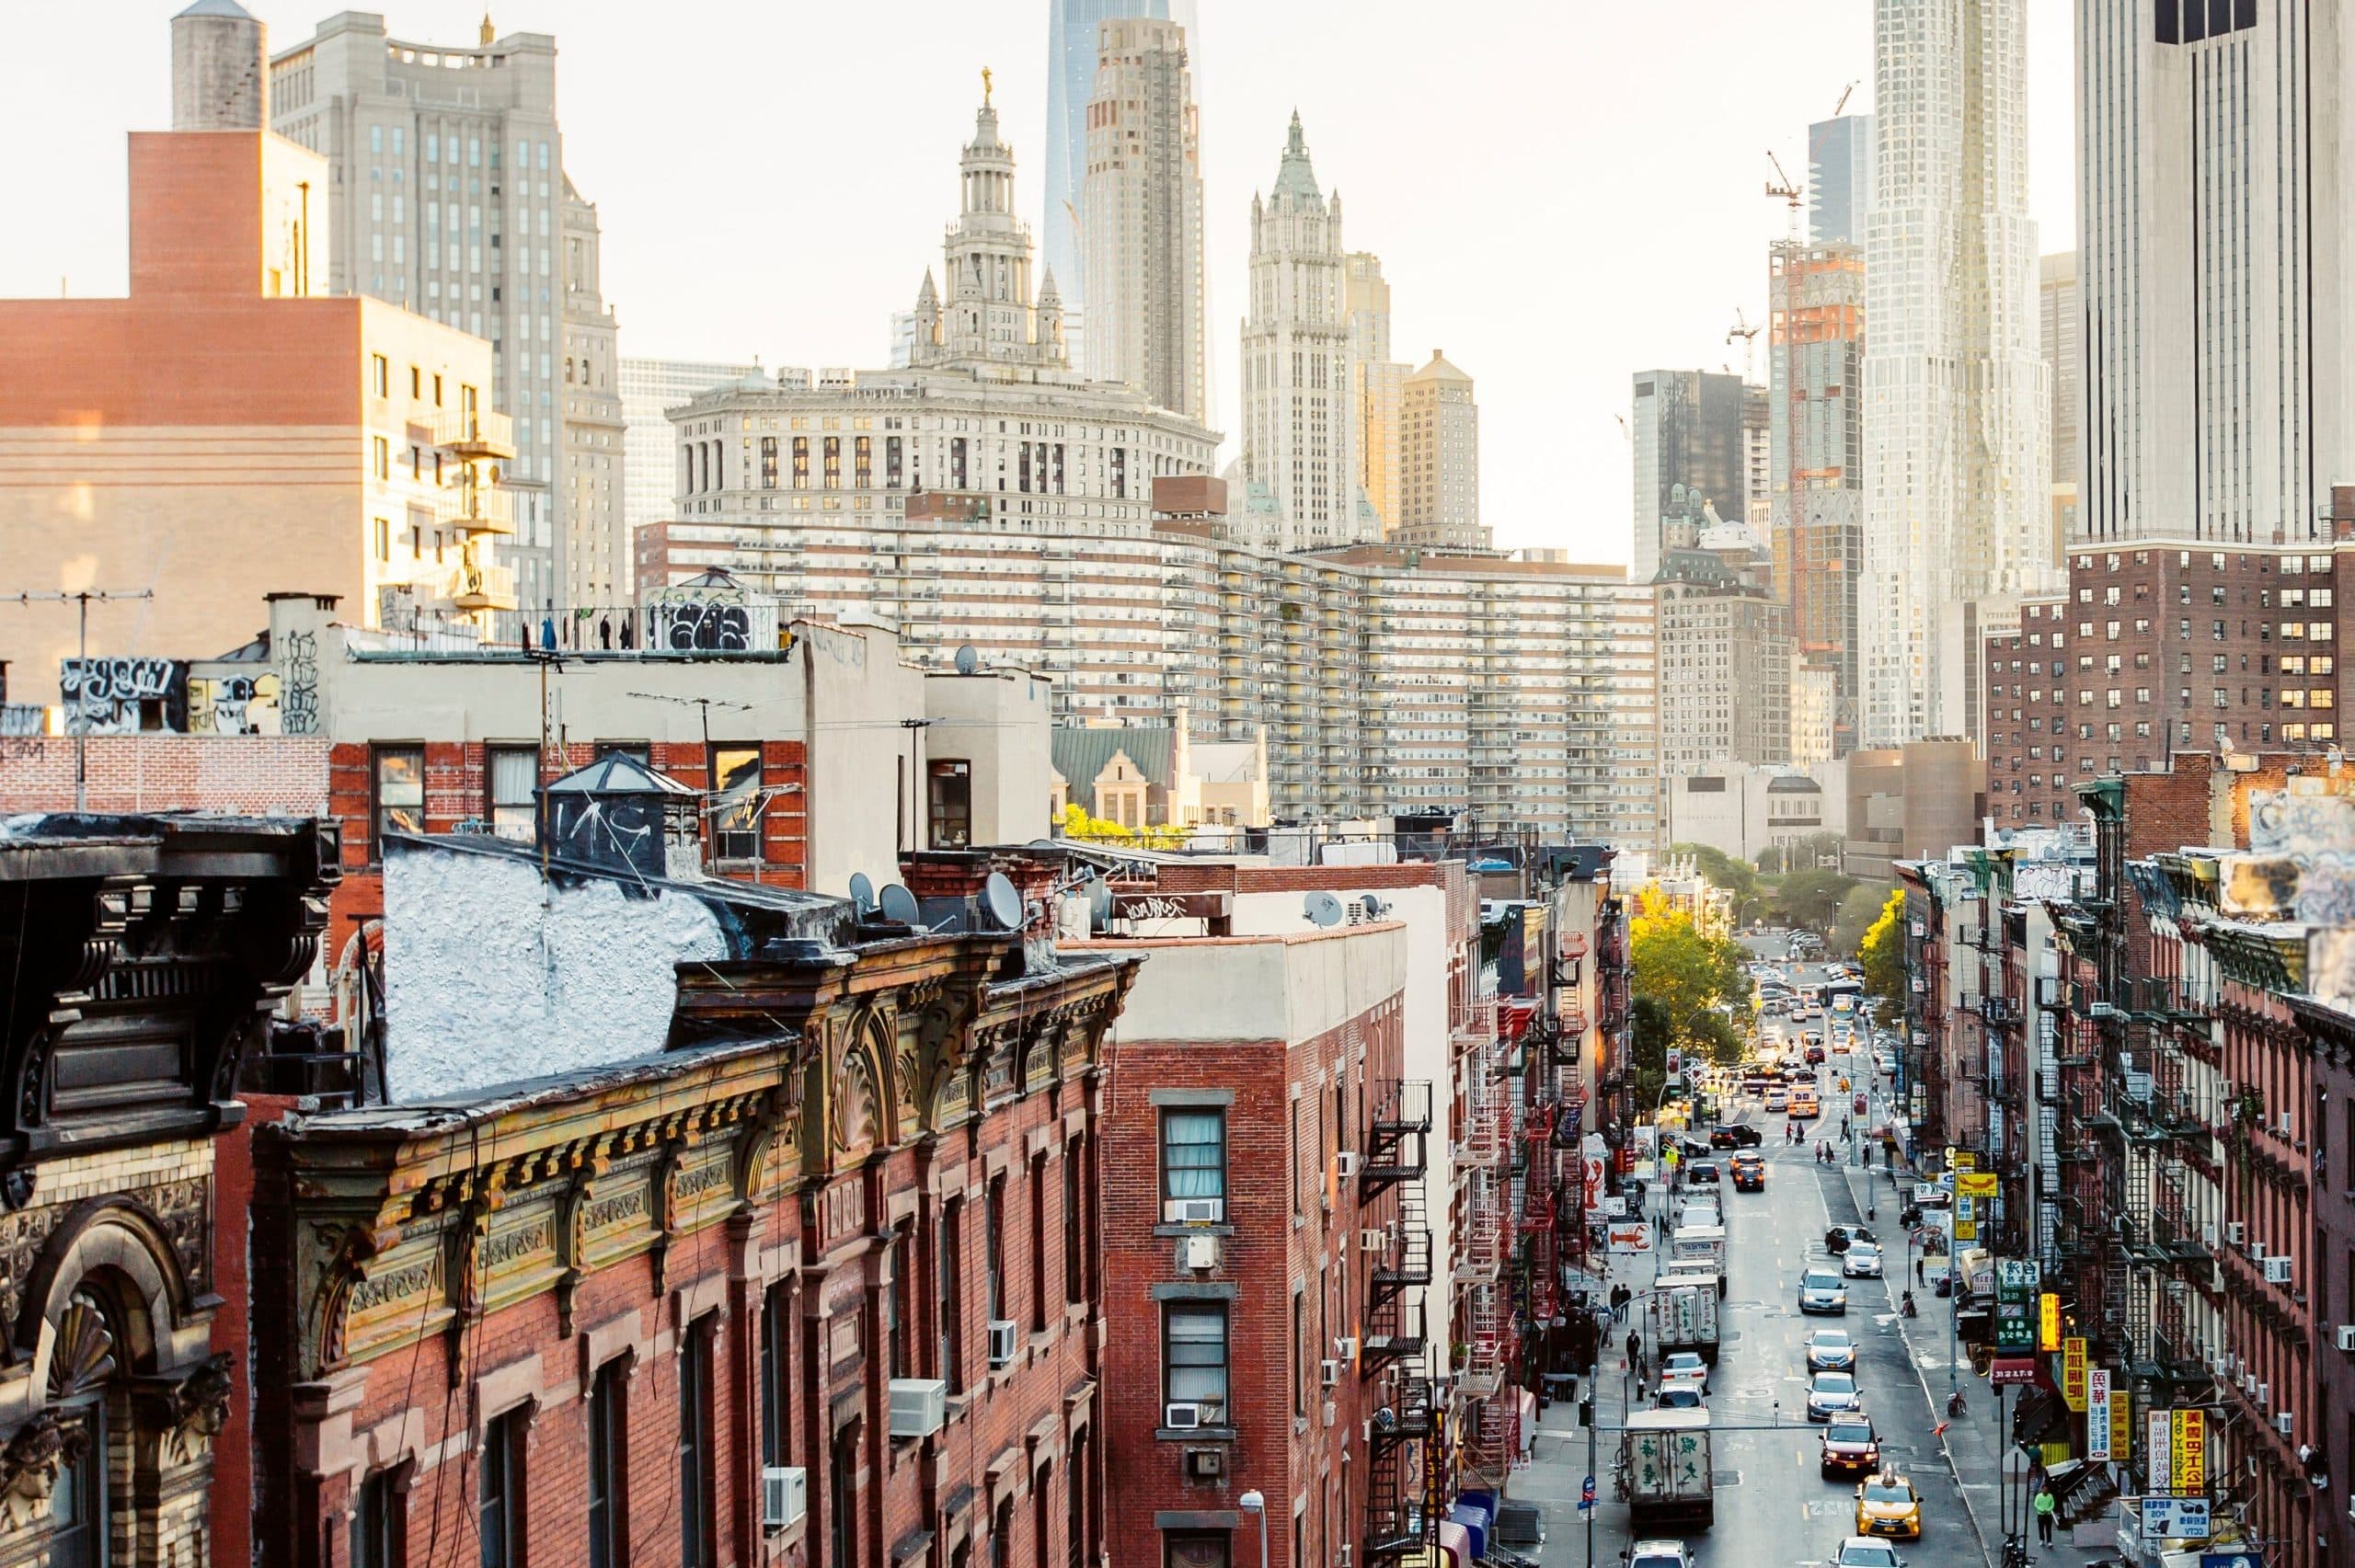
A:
{"points": [[1772, 1505]]}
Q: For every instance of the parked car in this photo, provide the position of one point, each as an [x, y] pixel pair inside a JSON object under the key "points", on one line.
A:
{"points": [[1861, 1261], [1657, 1554], [1831, 1394], [1684, 1366], [1831, 1350], [1851, 1447], [1683, 1396]]}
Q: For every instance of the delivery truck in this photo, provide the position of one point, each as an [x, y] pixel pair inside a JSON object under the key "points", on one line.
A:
{"points": [[1685, 1312], [1664, 1472], [1703, 1246]]}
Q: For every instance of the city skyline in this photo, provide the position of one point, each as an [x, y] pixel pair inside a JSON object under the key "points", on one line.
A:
{"points": [[1554, 461]]}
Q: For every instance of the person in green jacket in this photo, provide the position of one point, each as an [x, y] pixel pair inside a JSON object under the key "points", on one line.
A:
{"points": [[2045, 1505]]}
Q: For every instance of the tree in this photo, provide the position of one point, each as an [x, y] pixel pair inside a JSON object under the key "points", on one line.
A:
{"points": [[1770, 860], [1811, 898], [1816, 849], [1733, 877], [1076, 823], [1881, 954], [1690, 977], [1857, 912]]}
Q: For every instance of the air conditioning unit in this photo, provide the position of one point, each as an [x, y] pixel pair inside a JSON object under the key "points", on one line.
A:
{"points": [[1346, 1347], [2283, 1420], [1345, 1163], [785, 1496], [2347, 1336], [2277, 1271], [1181, 1417], [2248, 1380], [2234, 1231], [2264, 1396], [2285, 1124], [2208, 1234], [1205, 1464], [1332, 1412], [1329, 1372], [1341, 1555], [919, 1406], [1374, 1238], [1197, 1252], [1001, 1341], [1193, 1211]]}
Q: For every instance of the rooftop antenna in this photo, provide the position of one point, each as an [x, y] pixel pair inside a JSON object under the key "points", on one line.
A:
{"points": [[862, 892], [1003, 901], [900, 905], [1323, 909], [1786, 188], [968, 662], [79, 718]]}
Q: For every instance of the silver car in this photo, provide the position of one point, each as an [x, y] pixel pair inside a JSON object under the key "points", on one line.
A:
{"points": [[1831, 1394], [1831, 1350], [1861, 1261], [1822, 1292]]}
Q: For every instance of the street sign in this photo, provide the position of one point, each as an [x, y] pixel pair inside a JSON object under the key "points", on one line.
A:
{"points": [[2097, 1414], [1977, 1184], [2121, 1423], [2190, 1449], [2181, 1519], [1586, 1496], [2015, 1282], [2229, 1560], [2012, 1370]]}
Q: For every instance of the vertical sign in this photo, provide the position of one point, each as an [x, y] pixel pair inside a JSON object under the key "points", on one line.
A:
{"points": [[2073, 1372], [2190, 1451], [2048, 1321], [2015, 1283], [2121, 1422], [2097, 1414], [2158, 1450]]}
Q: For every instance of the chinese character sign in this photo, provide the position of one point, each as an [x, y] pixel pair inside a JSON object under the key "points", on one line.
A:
{"points": [[2097, 1414], [2073, 1372]]}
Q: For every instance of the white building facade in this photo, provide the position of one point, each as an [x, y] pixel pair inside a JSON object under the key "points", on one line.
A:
{"points": [[1298, 414], [1956, 431]]}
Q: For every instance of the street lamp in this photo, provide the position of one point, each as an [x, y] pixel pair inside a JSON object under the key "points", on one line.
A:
{"points": [[1253, 1502]]}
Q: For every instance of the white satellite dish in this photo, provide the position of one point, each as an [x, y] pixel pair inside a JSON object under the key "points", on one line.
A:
{"points": [[1323, 908], [899, 904], [1099, 902], [1003, 902], [968, 662], [862, 891]]}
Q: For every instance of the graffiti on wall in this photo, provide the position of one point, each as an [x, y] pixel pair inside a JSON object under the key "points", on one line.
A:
{"points": [[298, 664], [123, 695], [232, 705]]}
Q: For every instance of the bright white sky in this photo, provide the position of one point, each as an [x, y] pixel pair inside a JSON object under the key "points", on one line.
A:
{"points": [[1562, 191]]}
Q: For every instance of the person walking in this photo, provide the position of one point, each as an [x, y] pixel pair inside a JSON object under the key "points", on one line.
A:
{"points": [[1636, 1354], [2045, 1505], [1921, 1268]]}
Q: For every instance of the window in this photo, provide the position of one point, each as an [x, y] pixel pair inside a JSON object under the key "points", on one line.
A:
{"points": [[384, 531], [1195, 1548], [375, 1524], [1193, 1358], [499, 1493], [1299, 1356], [1076, 1503], [736, 803], [1038, 1245], [1075, 1282], [841, 1499], [899, 1321], [380, 375], [400, 793], [947, 1245], [994, 1244], [636, 751], [608, 1456], [1193, 1158], [1292, 1155], [512, 774], [78, 1504], [951, 790], [698, 1545], [379, 455], [776, 1386]]}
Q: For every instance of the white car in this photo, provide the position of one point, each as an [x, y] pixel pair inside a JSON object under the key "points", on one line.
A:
{"points": [[1861, 1261], [1863, 1552], [1684, 1368], [1658, 1555]]}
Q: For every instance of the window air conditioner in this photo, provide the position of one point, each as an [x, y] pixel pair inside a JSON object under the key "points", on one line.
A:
{"points": [[1374, 1238], [2283, 1421], [2347, 1336], [1193, 1210], [1329, 1372], [1001, 1341], [2264, 1396], [1346, 1347], [1332, 1412], [785, 1496], [919, 1406], [2277, 1271], [2233, 1232], [1181, 1417], [1345, 1163], [1205, 1464]]}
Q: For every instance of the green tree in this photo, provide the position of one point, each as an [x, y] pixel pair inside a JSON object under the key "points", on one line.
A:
{"points": [[1691, 977], [1857, 912], [1076, 823], [1881, 954], [1770, 860], [1733, 877], [1816, 849], [1648, 1036], [1811, 898]]}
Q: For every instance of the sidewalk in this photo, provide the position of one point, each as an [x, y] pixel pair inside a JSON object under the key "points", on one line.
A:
{"points": [[1558, 1467], [1972, 1445]]}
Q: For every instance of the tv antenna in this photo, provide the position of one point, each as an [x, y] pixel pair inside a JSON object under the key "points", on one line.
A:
{"points": [[78, 718]]}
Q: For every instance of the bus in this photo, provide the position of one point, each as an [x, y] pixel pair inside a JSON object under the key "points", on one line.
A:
{"points": [[1843, 994]]}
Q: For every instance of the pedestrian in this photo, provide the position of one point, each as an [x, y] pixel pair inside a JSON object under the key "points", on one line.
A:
{"points": [[1636, 1353], [1843, 1128], [2045, 1505], [1920, 1268]]}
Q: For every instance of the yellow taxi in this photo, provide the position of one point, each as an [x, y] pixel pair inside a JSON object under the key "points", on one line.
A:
{"points": [[1887, 1504]]}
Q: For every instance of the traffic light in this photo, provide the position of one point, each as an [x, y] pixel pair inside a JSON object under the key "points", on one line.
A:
{"points": [[1586, 1412]]}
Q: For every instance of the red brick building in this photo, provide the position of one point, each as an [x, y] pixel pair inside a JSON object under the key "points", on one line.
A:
{"points": [[1266, 1240], [815, 1284]]}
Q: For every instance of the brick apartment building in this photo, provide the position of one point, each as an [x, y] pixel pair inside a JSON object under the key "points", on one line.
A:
{"points": [[1263, 1213], [787, 1258]]}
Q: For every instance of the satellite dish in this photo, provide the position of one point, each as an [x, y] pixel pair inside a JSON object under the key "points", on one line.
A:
{"points": [[1374, 908], [899, 904], [1004, 902], [968, 662], [1100, 901], [862, 892], [1323, 908]]}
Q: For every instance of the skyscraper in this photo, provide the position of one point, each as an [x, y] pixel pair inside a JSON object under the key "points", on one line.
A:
{"points": [[1143, 217], [651, 479], [1839, 179], [1439, 461], [449, 186], [596, 545], [1815, 344], [1688, 434], [2060, 314], [1298, 423], [1377, 387], [1954, 390], [2213, 249]]}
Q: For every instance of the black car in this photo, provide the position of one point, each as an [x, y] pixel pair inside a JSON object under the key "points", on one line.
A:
{"points": [[1836, 1239], [1703, 1170], [1737, 1135]]}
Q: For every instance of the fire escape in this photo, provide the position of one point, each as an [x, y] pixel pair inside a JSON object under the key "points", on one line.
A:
{"points": [[1614, 1084], [1399, 1438], [1491, 1429]]}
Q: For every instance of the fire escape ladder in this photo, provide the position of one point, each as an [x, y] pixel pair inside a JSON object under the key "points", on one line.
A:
{"points": [[1397, 1439]]}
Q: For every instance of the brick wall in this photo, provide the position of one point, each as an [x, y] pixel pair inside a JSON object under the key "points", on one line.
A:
{"points": [[258, 774], [1265, 1250]]}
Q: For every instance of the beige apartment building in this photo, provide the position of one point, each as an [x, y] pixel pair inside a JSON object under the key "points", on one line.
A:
{"points": [[228, 416], [1438, 460], [1377, 387]]}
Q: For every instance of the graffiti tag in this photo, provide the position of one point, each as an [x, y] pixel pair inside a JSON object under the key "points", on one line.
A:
{"points": [[124, 695]]}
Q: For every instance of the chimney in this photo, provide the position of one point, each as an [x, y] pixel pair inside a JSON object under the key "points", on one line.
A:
{"points": [[220, 69]]}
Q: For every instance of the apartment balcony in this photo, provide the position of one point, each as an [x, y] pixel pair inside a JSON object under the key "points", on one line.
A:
{"points": [[482, 587], [475, 436], [475, 510]]}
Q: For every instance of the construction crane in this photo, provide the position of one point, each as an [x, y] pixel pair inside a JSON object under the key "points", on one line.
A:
{"points": [[1749, 336], [1843, 99], [1785, 188]]}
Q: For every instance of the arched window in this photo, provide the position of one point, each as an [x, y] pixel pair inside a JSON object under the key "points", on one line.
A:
{"points": [[82, 1384]]}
